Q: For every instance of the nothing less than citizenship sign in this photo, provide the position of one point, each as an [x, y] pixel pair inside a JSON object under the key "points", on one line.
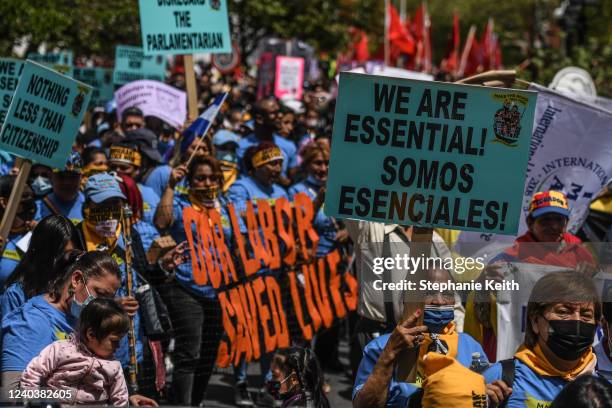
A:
{"points": [[44, 116]]}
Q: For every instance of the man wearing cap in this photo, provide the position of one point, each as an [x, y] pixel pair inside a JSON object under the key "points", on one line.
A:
{"points": [[226, 144], [547, 242], [101, 231], [126, 159], [266, 113], [65, 199]]}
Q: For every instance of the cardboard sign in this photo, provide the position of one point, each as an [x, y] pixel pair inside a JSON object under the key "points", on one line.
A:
{"points": [[256, 309], [429, 153], [132, 65], [44, 115], [289, 80], [154, 99], [101, 80], [58, 61], [10, 71], [184, 27]]}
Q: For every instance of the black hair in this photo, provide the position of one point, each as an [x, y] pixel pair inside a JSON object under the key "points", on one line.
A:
{"points": [[585, 392], [91, 264], [131, 111], [36, 269], [303, 363], [6, 185], [90, 152], [103, 316]]}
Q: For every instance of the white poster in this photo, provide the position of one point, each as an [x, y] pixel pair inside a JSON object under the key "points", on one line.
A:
{"points": [[154, 99]]}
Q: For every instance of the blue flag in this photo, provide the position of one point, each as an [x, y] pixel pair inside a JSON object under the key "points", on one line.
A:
{"points": [[200, 126]]}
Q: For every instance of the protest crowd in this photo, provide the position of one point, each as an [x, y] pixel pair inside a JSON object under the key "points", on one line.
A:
{"points": [[170, 247]]}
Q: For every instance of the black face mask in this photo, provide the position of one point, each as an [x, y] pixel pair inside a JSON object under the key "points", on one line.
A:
{"points": [[569, 339]]}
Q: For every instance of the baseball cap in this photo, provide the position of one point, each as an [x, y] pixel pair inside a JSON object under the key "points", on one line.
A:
{"points": [[102, 186], [224, 136], [545, 202], [146, 141]]}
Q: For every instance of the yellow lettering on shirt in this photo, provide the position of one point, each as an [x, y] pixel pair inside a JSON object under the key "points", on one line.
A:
{"points": [[531, 402], [60, 335], [117, 259], [11, 254]]}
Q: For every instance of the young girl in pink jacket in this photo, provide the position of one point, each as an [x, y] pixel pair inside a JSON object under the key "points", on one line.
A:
{"points": [[82, 367]]}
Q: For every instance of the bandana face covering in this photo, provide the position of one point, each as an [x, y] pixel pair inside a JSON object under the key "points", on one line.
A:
{"points": [[437, 317], [103, 223], [204, 196], [106, 229]]}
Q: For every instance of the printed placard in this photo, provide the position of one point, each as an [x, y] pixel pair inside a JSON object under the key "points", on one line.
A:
{"points": [[44, 116], [429, 153], [10, 71], [184, 27], [132, 65]]}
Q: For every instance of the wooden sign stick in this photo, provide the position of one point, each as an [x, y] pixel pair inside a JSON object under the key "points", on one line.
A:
{"points": [[13, 203]]}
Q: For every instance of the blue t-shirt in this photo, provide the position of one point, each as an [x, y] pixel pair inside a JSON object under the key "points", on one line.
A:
{"points": [[400, 392], [12, 298], [248, 189], [324, 225], [529, 388], [158, 181], [287, 147], [10, 259], [72, 210], [29, 329], [184, 272], [145, 226]]}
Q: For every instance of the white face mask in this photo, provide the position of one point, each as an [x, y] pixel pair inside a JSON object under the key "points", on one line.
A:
{"points": [[107, 228]]}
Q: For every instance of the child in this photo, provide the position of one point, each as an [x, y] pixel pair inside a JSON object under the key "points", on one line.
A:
{"points": [[297, 379], [83, 365]]}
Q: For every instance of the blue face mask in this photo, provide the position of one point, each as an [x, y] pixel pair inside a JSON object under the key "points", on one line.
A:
{"points": [[437, 317], [310, 179], [41, 186], [227, 156], [76, 308]]}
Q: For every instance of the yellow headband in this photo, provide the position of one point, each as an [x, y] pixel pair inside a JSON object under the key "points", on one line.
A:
{"points": [[125, 155], [266, 156]]}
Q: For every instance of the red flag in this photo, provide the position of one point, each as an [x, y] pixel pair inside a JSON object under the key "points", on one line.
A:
{"points": [[488, 50], [474, 60], [450, 63], [400, 40], [359, 46], [421, 29], [497, 55]]}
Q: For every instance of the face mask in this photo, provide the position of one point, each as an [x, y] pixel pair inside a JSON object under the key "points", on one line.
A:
{"points": [[76, 308], [106, 228], [227, 156], [312, 180], [273, 387], [569, 339], [205, 196], [41, 186], [436, 317]]}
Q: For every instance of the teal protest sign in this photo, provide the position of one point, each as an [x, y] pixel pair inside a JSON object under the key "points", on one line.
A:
{"points": [[132, 65], [101, 80], [44, 116], [429, 153], [10, 71], [184, 27], [59, 61]]}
